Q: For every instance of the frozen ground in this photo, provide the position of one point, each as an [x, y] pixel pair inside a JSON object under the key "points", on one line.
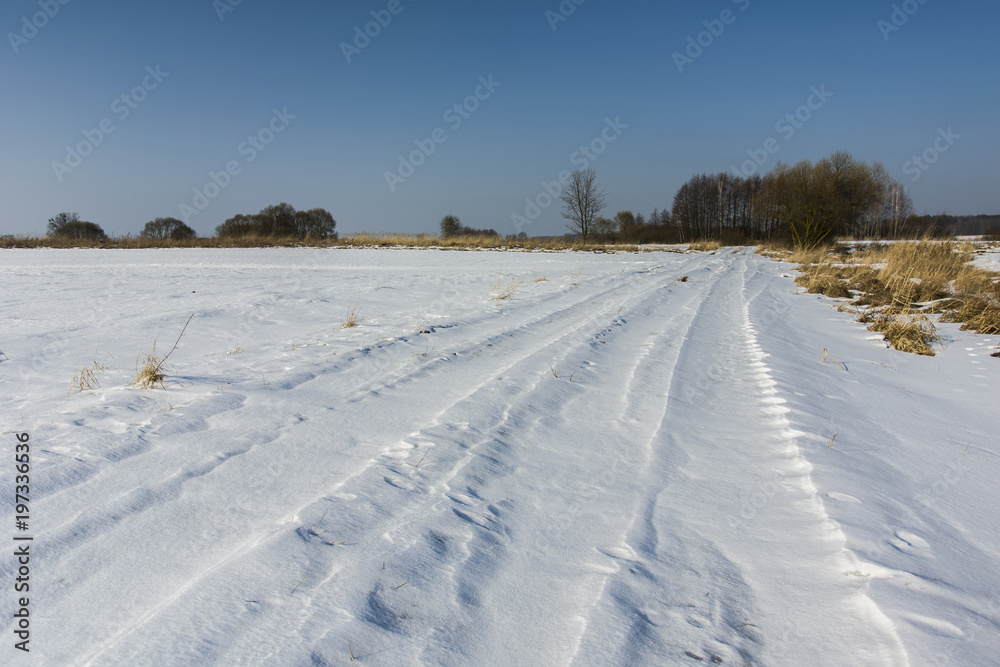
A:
{"points": [[612, 467]]}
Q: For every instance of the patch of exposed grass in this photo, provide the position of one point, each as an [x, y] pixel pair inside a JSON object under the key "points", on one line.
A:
{"points": [[977, 301], [825, 279], [897, 287], [704, 246]]}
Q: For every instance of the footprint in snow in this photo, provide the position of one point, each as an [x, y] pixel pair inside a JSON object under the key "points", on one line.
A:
{"points": [[400, 484], [911, 543], [694, 656]]}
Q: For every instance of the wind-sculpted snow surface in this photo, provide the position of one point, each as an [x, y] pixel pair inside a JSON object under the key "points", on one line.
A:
{"points": [[613, 466]]}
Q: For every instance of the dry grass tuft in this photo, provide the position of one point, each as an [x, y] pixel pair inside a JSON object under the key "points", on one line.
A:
{"points": [[907, 332], [85, 379], [152, 371], [504, 287], [153, 368], [353, 318]]}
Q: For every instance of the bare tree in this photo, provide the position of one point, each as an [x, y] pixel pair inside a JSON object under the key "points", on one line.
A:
{"points": [[450, 226], [583, 199]]}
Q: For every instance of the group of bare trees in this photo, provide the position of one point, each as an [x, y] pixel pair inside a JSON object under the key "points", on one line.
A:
{"points": [[808, 202], [280, 221], [583, 200], [451, 225]]}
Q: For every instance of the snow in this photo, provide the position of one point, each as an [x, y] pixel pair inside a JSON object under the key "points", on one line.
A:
{"points": [[611, 467], [989, 261]]}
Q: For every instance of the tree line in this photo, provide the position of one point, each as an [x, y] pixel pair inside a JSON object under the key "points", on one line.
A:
{"points": [[451, 226], [280, 221], [808, 203]]}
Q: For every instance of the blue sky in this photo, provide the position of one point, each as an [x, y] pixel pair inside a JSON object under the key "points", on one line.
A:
{"points": [[270, 81]]}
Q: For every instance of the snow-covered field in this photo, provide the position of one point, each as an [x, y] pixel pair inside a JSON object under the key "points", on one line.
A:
{"points": [[612, 467]]}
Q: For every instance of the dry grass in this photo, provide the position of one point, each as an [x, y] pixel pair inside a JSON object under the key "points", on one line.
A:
{"points": [[907, 332], [359, 240], [896, 287], [814, 256], [504, 287], [153, 371], [353, 318], [777, 248], [825, 279], [704, 246], [85, 379]]}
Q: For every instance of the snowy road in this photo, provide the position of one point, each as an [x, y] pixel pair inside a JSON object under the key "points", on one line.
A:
{"points": [[615, 466]]}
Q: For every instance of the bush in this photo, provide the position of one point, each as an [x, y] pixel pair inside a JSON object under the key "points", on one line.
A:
{"points": [[69, 226], [167, 228], [281, 221]]}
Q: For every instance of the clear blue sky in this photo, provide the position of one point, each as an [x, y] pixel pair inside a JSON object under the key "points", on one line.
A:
{"points": [[352, 121]]}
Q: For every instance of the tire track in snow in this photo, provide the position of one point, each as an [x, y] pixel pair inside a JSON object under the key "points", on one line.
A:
{"points": [[503, 615], [459, 497], [688, 588], [550, 321]]}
